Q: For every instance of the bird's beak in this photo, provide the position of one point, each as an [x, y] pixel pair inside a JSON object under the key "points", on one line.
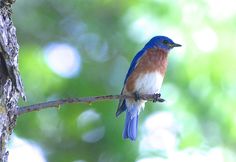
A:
{"points": [[176, 45]]}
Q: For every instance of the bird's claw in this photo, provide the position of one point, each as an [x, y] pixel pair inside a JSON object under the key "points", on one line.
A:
{"points": [[157, 97], [136, 96]]}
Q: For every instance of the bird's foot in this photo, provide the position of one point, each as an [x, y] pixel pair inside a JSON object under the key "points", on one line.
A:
{"points": [[136, 96], [157, 97]]}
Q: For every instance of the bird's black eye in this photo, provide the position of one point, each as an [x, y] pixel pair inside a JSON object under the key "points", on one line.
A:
{"points": [[165, 42]]}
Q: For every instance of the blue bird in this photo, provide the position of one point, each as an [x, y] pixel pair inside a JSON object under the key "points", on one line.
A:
{"points": [[144, 76]]}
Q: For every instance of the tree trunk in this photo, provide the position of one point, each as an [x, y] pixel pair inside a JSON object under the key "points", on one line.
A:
{"points": [[10, 82]]}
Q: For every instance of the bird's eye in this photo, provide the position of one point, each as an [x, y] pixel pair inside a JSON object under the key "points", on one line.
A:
{"points": [[165, 42]]}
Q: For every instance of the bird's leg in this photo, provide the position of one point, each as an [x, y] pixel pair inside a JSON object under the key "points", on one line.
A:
{"points": [[157, 97], [136, 96]]}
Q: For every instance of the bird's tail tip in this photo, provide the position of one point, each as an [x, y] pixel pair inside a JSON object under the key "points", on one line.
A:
{"points": [[131, 126]]}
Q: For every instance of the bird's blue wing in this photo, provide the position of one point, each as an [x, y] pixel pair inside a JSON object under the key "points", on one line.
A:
{"points": [[134, 63], [122, 105]]}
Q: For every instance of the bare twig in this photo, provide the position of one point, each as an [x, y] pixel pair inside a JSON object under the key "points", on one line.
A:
{"points": [[57, 103]]}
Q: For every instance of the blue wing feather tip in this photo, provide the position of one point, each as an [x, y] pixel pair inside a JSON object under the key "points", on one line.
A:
{"points": [[121, 109], [118, 113]]}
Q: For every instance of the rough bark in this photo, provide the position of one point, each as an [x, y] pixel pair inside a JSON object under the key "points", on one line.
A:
{"points": [[10, 82]]}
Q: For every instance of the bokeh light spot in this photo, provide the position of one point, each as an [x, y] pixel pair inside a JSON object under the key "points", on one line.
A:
{"points": [[63, 59], [141, 27], [22, 150], [206, 39], [159, 133], [94, 47], [221, 10], [94, 135], [87, 117]]}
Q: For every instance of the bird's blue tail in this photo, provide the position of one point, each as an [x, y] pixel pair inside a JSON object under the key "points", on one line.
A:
{"points": [[131, 125]]}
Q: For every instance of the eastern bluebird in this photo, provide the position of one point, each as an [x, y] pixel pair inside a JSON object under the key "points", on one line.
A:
{"points": [[144, 76]]}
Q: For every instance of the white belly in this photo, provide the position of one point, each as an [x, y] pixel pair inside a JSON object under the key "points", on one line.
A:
{"points": [[145, 84], [149, 83]]}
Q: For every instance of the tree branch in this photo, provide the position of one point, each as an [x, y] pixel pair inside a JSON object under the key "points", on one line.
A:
{"points": [[58, 103]]}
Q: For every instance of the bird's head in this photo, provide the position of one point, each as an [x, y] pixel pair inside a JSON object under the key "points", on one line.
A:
{"points": [[161, 42]]}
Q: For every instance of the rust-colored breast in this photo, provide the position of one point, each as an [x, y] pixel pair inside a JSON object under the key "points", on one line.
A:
{"points": [[153, 60]]}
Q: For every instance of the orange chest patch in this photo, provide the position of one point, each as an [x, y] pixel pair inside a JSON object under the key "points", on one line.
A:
{"points": [[153, 60]]}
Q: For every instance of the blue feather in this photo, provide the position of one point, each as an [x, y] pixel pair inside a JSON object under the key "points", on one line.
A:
{"points": [[131, 125]]}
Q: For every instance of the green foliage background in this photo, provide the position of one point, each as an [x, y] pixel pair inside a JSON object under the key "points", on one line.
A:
{"points": [[200, 81]]}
